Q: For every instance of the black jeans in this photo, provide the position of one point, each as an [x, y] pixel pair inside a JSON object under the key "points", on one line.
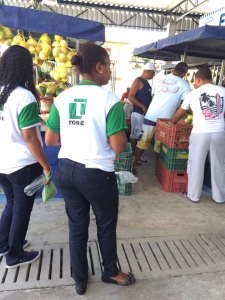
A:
{"points": [[16, 214], [80, 188]]}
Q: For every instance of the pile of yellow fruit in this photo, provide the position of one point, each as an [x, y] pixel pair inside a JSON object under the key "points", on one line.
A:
{"points": [[61, 52], [63, 55], [43, 50], [5, 35], [60, 73]]}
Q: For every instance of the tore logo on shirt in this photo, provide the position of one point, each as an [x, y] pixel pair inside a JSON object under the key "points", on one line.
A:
{"points": [[77, 111], [76, 122]]}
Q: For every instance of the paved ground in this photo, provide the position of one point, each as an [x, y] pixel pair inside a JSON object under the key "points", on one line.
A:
{"points": [[148, 212]]}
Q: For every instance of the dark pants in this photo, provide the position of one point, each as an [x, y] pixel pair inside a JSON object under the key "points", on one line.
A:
{"points": [[80, 188], [16, 214]]}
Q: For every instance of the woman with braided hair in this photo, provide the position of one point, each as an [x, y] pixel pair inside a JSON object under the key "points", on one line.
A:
{"points": [[21, 155], [89, 122]]}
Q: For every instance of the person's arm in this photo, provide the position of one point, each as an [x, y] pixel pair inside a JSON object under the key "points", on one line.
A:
{"points": [[52, 134], [52, 138], [115, 128], [185, 106], [118, 142], [28, 120], [34, 145], [178, 115], [133, 91]]}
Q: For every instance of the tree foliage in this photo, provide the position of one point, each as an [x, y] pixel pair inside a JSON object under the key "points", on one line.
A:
{"points": [[138, 62]]}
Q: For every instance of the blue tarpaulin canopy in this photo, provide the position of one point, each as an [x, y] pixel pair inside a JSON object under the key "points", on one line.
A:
{"points": [[205, 42], [151, 51], [51, 23]]}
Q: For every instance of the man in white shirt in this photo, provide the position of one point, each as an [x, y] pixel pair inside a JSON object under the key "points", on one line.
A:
{"points": [[168, 93], [207, 104]]}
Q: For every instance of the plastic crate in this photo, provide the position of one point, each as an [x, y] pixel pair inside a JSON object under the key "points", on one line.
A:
{"points": [[123, 161], [125, 189], [172, 181], [173, 159], [174, 136]]}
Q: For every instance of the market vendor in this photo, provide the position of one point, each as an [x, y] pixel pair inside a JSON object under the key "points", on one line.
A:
{"points": [[207, 104]]}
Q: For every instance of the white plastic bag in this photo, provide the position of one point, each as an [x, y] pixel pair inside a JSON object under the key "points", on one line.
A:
{"points": [[128, 108], [126, 177]]}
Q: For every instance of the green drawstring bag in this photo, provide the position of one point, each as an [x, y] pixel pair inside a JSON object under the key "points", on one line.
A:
{"points": [[49, 190]]}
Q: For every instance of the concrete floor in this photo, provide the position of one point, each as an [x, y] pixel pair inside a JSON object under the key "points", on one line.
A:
{"points": [[148, 212]]}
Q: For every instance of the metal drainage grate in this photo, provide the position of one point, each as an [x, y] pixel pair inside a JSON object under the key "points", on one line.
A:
{"points": [[145, 257], [171, 256]]}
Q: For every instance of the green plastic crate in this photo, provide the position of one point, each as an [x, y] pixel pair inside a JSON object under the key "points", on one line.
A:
{"points": [[173, 159], [125, 189], [123, 161]]}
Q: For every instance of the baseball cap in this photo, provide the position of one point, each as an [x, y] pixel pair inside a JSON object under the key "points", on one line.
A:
{"points": [[149, 66]]}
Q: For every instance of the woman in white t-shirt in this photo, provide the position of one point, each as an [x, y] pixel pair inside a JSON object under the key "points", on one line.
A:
{"points": [[88, 121], [21, 155]]}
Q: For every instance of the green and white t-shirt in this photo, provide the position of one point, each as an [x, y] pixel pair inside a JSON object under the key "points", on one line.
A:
{"points": [[86, 115], [19, 112]]}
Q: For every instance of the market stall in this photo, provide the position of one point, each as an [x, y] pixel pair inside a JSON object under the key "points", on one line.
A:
{"points": [[197, 46], [43, 29]]}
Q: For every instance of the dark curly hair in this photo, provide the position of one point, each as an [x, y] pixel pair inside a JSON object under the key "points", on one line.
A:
{"points": [[16, 70]]}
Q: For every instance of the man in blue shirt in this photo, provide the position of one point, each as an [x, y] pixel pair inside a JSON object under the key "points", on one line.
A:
{"points": [[140, 95]]}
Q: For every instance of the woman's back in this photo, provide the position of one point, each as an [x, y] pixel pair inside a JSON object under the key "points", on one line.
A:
{"points": [[20, 111], [88, 114]]}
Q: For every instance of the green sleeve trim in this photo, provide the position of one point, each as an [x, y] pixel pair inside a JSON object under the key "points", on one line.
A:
{"points": [[115, 120], [53, 122], [29, 115]]}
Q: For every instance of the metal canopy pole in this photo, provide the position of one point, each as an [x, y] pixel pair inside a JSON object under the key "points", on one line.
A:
{"points": [[77, 75], [183, 58]]}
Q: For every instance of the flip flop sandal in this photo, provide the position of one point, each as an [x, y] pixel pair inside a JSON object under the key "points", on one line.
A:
{"points": [[130, 280]]}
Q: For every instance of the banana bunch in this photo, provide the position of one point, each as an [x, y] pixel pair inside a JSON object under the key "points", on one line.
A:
{"points": [[51, 89]]}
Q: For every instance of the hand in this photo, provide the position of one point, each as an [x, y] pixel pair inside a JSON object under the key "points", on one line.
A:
{"points": [[144, 108], [46, 172]]}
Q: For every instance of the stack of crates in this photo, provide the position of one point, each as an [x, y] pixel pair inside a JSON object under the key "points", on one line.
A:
{"points": [[173, 155], [123, 162]]}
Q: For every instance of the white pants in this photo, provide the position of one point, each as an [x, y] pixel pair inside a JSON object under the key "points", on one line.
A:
{"points": [[136, 125], [200, 145]]}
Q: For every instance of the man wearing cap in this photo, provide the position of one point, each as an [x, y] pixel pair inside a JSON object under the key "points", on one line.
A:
{"points": [[168, 93], [140, 95]]}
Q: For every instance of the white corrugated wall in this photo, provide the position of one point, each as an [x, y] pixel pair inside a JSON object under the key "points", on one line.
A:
{"points": [[111, 17]]}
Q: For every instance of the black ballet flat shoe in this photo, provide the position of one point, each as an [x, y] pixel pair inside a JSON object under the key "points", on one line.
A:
{"points": [[130, 280], [81, 289]]}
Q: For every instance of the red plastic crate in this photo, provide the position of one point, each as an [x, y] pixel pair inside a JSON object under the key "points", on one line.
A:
{"points": [[172, 181], [174, 136]]}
